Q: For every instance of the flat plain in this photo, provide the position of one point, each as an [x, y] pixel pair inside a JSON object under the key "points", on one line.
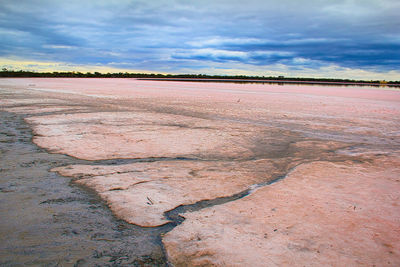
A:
{"points": [[263, 174]]}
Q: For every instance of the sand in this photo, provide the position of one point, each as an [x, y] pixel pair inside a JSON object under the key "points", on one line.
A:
{"points": [[148, 147]]}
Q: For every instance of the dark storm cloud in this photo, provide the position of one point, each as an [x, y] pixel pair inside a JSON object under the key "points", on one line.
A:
{"points": [[173, 35]]}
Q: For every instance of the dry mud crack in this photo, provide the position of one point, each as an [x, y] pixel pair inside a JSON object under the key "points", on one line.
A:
{"points": [[157, 157]]}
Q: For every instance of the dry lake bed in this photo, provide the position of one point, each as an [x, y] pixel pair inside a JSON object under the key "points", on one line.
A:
{"points": [[125, 172]]}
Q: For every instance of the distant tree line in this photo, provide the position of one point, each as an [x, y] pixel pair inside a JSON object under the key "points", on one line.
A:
{"points": [[74, 74]]}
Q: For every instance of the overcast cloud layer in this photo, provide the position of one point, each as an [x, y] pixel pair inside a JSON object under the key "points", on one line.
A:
{"points": [[222, 36]]}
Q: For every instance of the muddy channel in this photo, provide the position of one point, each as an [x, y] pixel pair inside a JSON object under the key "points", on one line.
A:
{"points": [[47, 220]]}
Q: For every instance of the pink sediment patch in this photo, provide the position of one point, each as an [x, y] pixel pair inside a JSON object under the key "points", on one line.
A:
{"points": [[108, 135], [140, 193], [322, 214]]}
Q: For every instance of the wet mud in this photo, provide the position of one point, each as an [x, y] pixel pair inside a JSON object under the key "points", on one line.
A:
{"points": [[48, 221]]}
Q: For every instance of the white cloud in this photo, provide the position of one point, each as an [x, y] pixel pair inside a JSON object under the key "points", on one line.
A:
{"points": [[68, 47], [210, 53], [50, 66], [218, 41]]}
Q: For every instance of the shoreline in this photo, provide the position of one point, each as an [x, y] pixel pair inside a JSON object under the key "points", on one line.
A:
{"points": [[244, 81], [238, 81]]}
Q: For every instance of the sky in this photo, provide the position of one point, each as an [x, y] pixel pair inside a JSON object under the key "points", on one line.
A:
{"points": [[357, 39]]}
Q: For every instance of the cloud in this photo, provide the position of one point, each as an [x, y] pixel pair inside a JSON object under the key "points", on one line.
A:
{"points": [[68, 47], [173, 35]]}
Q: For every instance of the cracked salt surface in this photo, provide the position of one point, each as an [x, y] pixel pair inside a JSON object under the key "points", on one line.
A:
{"points": [[236, 148]]}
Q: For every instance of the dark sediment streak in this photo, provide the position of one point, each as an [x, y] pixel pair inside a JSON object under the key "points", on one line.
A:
{"points": [[175, 214]]}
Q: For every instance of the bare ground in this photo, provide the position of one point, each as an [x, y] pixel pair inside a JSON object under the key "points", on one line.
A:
{"points": [[222, 156]]}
